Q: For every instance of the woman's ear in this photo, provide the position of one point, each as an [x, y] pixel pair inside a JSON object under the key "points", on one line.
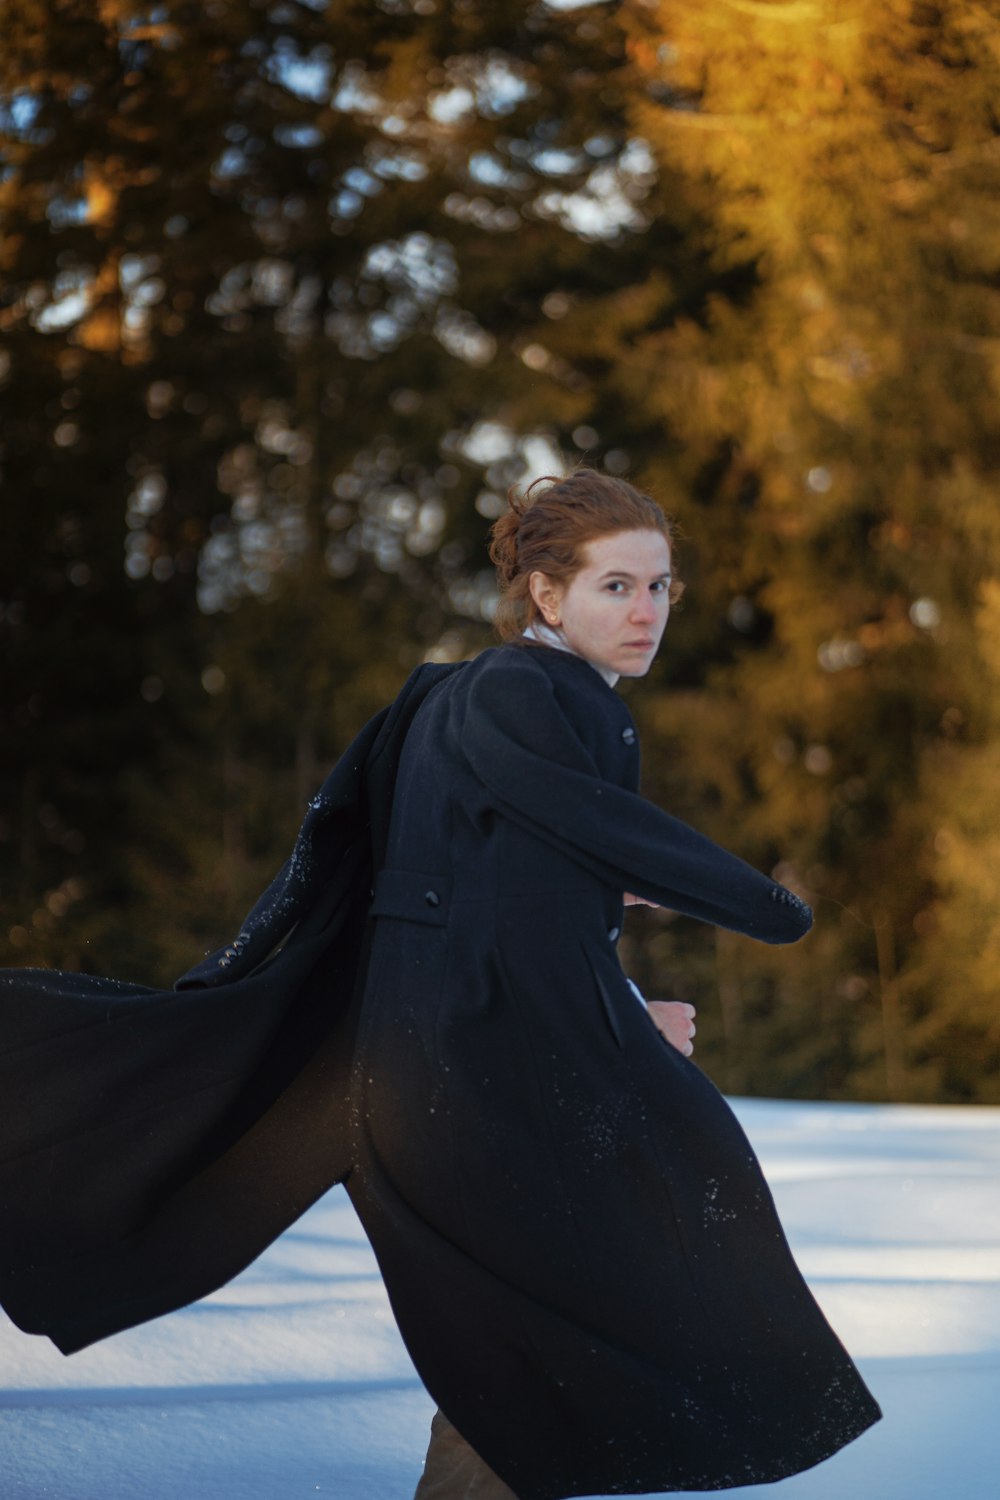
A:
{"points": [[547, 594]]}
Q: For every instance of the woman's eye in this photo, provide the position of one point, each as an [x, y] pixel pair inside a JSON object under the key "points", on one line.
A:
{"points": [[616, 586]]}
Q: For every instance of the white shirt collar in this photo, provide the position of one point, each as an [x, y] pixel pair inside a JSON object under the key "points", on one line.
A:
{"points": [[548, 635]]}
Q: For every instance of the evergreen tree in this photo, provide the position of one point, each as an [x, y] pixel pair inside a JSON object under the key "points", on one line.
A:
{"points": [[840, 462], [292, 294], [267, 268]]}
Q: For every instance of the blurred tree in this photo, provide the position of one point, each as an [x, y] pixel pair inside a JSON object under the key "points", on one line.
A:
{"points": [[292, 292], [266, 271], [838, 469]]}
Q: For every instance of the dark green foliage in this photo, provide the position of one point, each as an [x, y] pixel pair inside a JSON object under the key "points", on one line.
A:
{"points": [[263, 268]]}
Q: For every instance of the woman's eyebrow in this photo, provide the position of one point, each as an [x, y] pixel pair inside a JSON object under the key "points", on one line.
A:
{"points": [[621, 573]]}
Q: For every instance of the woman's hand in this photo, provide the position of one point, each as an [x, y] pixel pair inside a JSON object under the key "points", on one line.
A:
{"points": [[630, 900], [674, 1019]]}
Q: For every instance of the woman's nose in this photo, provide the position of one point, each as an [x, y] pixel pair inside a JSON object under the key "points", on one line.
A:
{"points": [[643, 609]]}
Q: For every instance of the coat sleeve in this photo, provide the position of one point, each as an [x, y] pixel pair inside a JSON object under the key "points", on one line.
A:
{"points": [[525, 751]]}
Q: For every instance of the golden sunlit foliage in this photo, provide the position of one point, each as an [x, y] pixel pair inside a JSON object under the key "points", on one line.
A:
{"points": [[849, 403]]}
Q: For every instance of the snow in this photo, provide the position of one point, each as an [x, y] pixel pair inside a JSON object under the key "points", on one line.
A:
{"points": [[292, 1381]]}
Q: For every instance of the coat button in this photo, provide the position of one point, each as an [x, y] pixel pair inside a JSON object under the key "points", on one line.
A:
{"points": [[613, 933], [628, 735], [432, 898]]}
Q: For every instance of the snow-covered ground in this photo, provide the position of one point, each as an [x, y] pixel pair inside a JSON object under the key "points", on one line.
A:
{"points": [[292, 1381]]}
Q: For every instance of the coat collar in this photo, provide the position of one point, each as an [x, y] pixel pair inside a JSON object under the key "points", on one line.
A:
{"points": [[547, 635]]}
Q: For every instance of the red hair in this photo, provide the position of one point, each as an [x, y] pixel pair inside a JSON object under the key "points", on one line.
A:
{"points": [[546, 530]]}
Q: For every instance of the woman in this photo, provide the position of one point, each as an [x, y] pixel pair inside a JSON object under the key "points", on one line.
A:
{"points": [[580, 1250]]}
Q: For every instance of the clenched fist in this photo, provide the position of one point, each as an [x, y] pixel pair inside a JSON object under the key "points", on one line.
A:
{"points": [[675, 1020]]}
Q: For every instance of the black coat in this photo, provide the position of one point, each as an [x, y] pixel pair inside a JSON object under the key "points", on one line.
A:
{"points": [[581, 1252]]}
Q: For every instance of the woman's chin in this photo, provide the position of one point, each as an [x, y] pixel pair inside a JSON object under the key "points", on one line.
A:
{"points": [[633, 663]]}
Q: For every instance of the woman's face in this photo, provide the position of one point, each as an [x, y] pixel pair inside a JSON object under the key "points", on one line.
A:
{"points": [[615, 609]]}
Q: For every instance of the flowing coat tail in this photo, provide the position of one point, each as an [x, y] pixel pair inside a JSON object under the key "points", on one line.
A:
{"points": [[154, 1142]]}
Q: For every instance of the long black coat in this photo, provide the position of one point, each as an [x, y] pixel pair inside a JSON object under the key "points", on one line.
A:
{"points": [[581, 1252]]}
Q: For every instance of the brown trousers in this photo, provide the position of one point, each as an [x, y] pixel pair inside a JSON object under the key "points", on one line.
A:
{"points": [[453, 1471]]}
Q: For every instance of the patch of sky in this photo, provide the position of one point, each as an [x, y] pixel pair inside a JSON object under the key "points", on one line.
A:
{"points": [[61, 211], [419, 263], [383, 331], [484, 167], [486, 442], [293, 532], [148, 293], [451, 105], [22, 111], [346, 204], [925, 613], [70, 300], [489, 87], [133, 55], [494, 444], [133, 269], [18, 116], [355, 93], [135, 320], [231, 294], [607, 202], [475, 597], [306, 77], [348, 332], [137, 545], [274, 434], [361, 181], [555, 161], [500, 89], [400, 164], [541, 455], [148, 496], [272, 282], [459, 332], [422, 538], [231, 163], [298, 136], [637, 162]]}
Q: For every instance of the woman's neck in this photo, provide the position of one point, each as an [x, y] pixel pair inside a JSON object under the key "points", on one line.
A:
{"points": [[548, 635]]}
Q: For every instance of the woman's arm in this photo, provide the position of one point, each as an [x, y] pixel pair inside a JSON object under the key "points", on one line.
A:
{"points": [[526, 752]]}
